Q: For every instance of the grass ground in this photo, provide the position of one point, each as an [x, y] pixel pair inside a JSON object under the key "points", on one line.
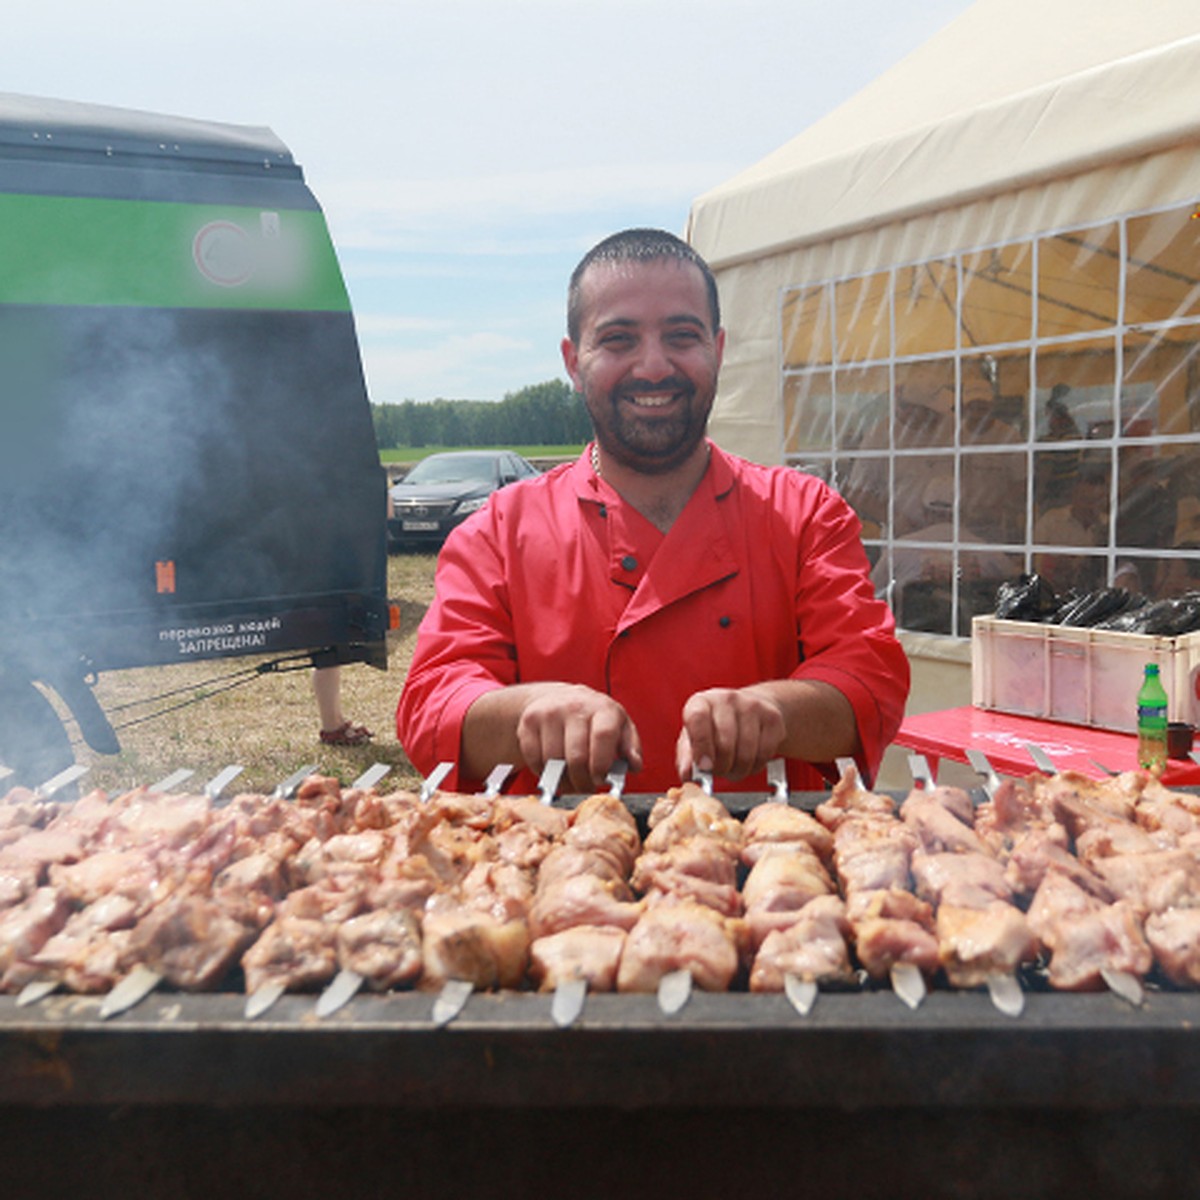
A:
{"points": [[267, 725]]}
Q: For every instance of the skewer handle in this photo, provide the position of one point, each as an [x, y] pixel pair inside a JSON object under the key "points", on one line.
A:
{"points": [[552, 772], [978, 760], [777, 779], [372, 775], [434, 780], [801, 993], [1041, 759], [287, 789], [219, 782], [452, 999], [340, 991], [569, 998], [674, 991], [908, 983], [1125, 985], [495, 781], [263, 998], [57, 782], [616, 778], [131, 990], [922, 775], [1006, 994], [172, 781]]}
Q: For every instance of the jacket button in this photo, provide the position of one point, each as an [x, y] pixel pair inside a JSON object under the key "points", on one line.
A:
{"points": [[725, 622], [629, 563], [604, 510]]}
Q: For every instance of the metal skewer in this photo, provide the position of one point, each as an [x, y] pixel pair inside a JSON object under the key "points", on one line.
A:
{"points": [[287, 789], [141, 981], [777, 779], [918, 766], [262, 999], [451, 1000], [35, 991], [704, 779], [908, 983], [991, 781], [371, 776], [1042, 760], [801, 993], [1125, 985], [219, 782], [570, 995], [1006, 994], [173, 780], [552, 772], [131, 990], [674, 991], [847, 768], [493, 784], [616, 778], [346, 984], [57, 782], [340, 991], [433, 782]]}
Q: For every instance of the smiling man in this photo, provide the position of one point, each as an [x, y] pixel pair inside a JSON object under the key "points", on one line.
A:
{"points": [[657, 600]]}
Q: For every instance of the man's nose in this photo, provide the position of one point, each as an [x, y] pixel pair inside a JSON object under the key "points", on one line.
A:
{"points": [[654, 360]]}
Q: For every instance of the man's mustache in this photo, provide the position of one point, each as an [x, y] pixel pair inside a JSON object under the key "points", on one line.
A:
{"points": [[640, 387]]}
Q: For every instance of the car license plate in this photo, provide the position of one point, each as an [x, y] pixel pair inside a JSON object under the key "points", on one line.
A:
{"points": [[419, 526]]}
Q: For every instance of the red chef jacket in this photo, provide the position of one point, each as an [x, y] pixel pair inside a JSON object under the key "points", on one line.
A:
{"points": [[762, 576]]}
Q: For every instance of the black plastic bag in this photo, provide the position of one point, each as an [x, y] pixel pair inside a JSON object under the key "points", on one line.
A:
{"points": [[1162, 618], [1027, 598], [1091, 608]]}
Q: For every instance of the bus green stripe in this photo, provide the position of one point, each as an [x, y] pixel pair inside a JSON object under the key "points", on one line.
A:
{"points": [[66, 250]]}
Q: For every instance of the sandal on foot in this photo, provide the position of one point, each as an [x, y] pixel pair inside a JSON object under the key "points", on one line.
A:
{"points": [[346, 734]]}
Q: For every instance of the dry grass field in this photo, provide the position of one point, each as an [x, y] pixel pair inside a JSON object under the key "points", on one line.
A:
{"points": [[169, 718]]}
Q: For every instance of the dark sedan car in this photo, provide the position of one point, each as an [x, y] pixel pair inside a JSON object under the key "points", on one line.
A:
{"points": [[441, 491]]}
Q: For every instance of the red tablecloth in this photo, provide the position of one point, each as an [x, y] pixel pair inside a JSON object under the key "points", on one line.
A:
{"points": [[1004, 739]]}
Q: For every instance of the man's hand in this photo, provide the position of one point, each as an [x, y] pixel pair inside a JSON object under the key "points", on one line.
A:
{"points": [[731, 732], [587, 729], [734, 732]]}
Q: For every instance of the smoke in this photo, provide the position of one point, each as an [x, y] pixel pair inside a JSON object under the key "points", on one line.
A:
{"points": [[159, 465]]}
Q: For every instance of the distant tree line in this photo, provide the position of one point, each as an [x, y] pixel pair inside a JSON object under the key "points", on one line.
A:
{"points": [[543, 414]]}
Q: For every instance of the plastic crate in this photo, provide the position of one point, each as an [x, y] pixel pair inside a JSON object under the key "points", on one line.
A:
{"points": [[1081, 676]]}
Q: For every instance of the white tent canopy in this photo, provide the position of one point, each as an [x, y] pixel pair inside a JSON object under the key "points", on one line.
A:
{"points": [[1020, 116]]}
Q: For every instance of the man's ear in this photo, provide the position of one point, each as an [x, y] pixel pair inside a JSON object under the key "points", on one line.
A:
{"points": [[571, 361]]}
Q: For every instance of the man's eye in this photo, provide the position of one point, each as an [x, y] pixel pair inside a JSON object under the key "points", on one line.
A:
{"points": [[616, 341]]}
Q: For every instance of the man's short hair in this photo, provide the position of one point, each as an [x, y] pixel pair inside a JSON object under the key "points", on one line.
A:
{"points": [[637, 245]]}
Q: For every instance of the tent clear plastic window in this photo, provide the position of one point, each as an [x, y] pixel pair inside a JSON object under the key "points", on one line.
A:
{"points": [[1028, 405]]}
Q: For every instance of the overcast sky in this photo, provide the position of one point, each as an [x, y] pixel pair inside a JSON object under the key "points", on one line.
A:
{"points": [[467, 152]]}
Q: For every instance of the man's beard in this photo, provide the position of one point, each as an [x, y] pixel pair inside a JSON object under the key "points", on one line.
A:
{"points": [[652, 446]]}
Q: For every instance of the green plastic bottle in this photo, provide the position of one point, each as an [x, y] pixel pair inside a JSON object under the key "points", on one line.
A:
{"points": [[1152, 722]]}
